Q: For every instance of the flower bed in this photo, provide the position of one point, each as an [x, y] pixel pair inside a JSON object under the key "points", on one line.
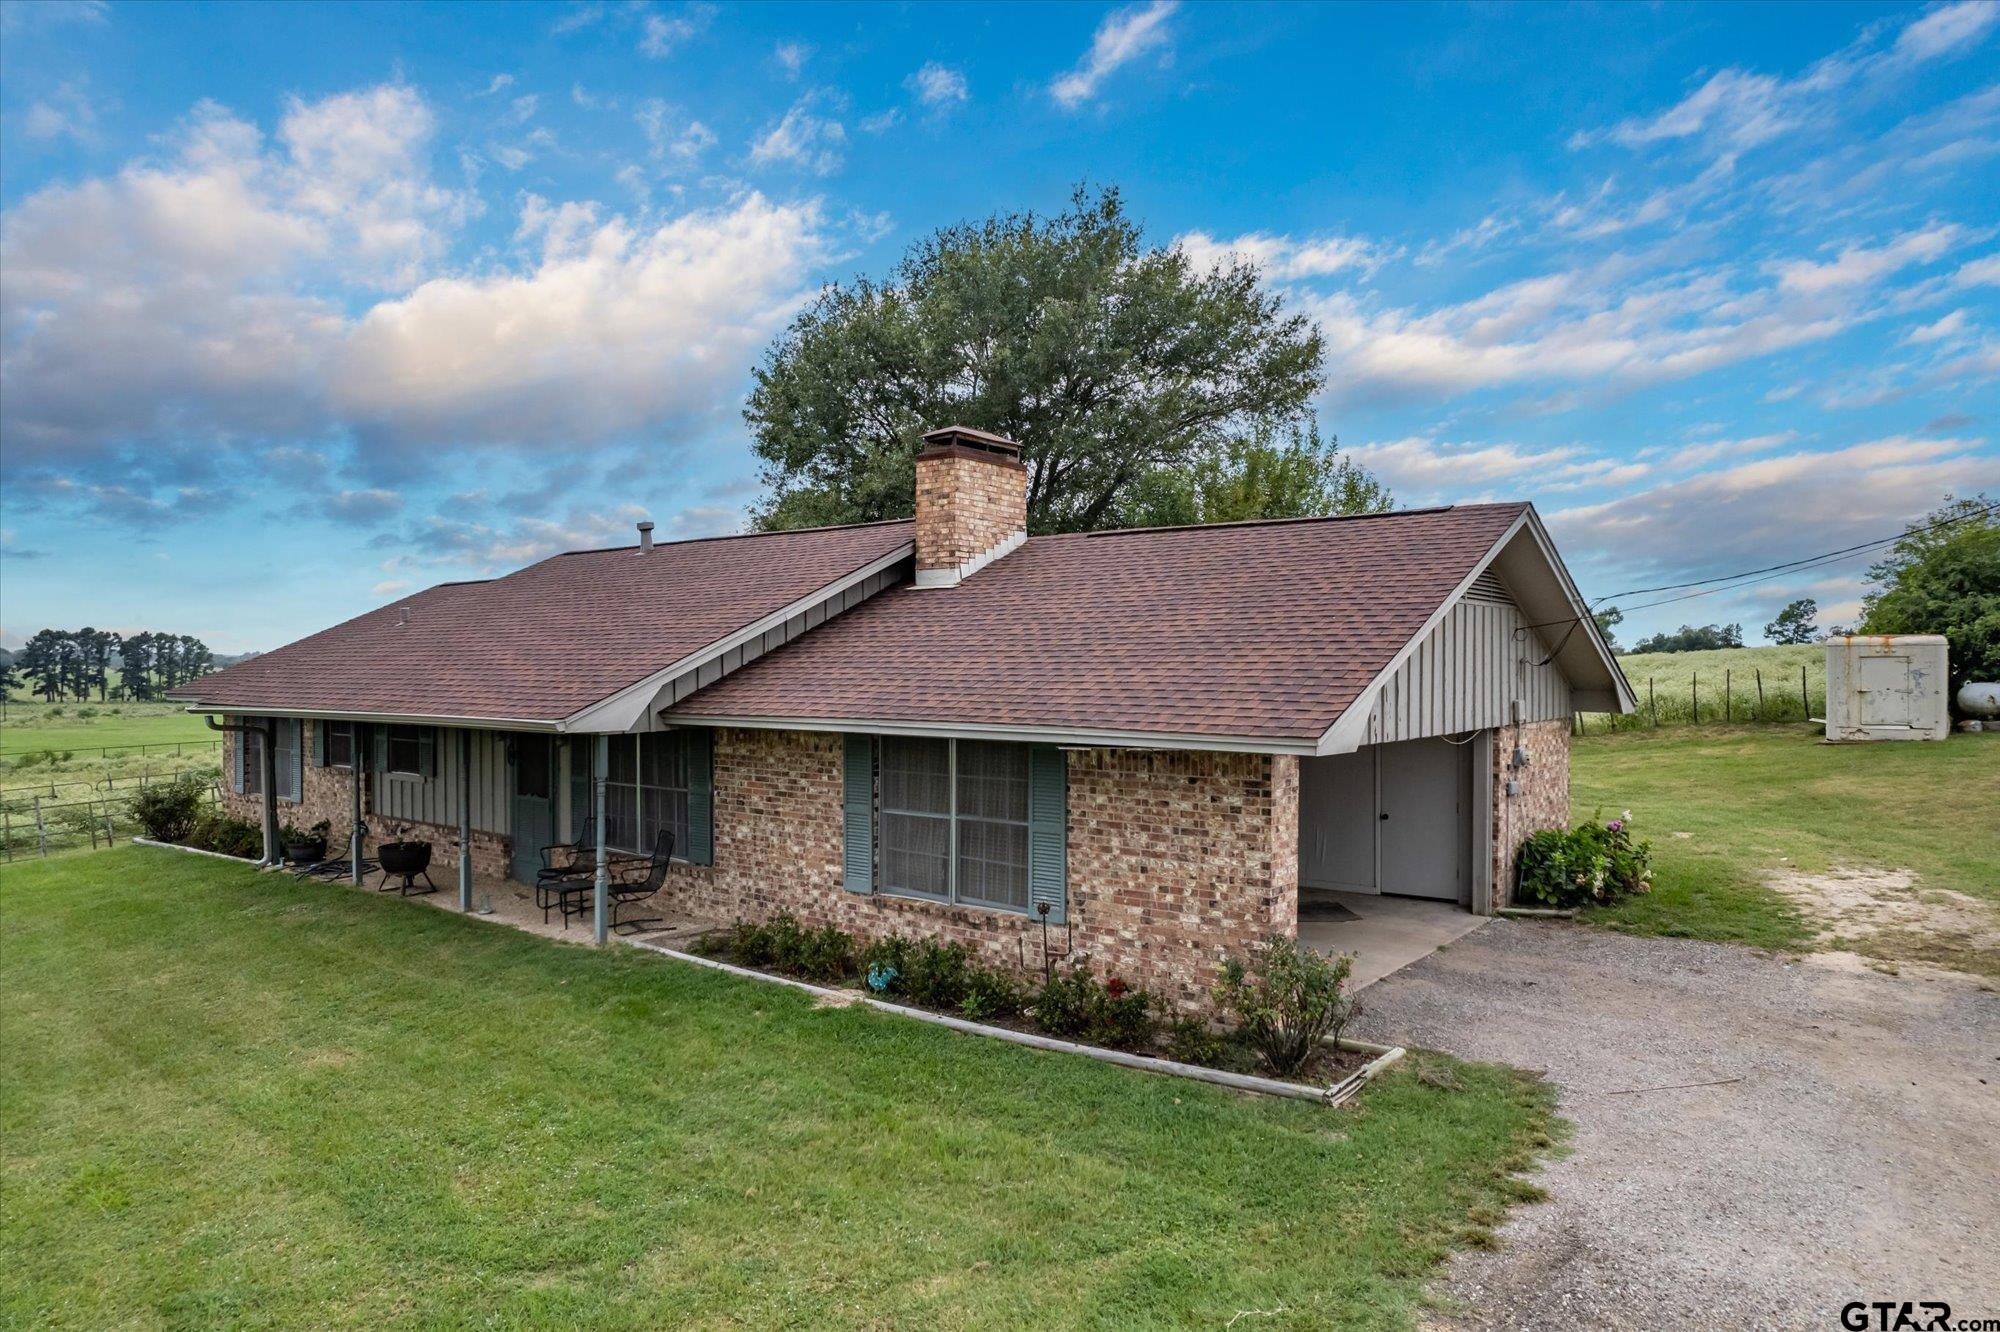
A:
{"points": [[1289, 1003], [1590, 864]]}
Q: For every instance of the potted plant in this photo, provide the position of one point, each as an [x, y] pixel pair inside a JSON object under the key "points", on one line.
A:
{"points": [[307, 847]]}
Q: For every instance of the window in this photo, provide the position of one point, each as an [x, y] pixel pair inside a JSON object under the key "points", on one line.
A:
{"points": [[339, 744], [407, 746], [285, 745], [952, 820], [647, 792], [250, 761]]}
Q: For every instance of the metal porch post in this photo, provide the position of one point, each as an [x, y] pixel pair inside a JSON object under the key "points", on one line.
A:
{"points": [[273, 853], [465, 820], [354, 837], [602, 774]]}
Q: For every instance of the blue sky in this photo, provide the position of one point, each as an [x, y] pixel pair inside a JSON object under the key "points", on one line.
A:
{"points": [[302, 307]]}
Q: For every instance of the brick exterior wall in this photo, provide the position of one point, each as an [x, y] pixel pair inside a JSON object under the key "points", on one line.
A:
{"points": [[1544, 798], [968, 502], [327, 793], [1176, 859]]}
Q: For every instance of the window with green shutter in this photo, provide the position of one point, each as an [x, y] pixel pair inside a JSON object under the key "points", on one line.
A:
{"points": [[971, 822]]}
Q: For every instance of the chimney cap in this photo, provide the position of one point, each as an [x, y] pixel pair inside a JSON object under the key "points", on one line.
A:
{"points": [[983, 441], [646, 535]]}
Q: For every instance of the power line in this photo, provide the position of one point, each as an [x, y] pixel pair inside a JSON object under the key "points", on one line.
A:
{"points": [[1752, 575]]}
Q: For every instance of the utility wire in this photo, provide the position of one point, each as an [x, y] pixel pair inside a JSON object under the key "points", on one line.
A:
{"points": [[1751, 574]]}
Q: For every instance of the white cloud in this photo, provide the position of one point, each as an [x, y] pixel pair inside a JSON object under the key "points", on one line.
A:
{"points": [[1419, 469], [1774, 509], [792, 57], [65, 113], [661, 35], [1124, 36], [803, 138], [1741, 109], [498, 84], [1284, 258], [1979, 272], [619, 328], [673, 140], [201, 301], [882, 121], [1939, 330], [1858, 264], [937, 85], [390, 587]]}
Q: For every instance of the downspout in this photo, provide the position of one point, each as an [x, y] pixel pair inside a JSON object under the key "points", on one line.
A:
{"points": [[267, 729]]}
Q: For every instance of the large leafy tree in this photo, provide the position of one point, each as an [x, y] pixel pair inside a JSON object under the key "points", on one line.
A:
{"points": [[1113, 362], [1794, 624], [1943, 577]]}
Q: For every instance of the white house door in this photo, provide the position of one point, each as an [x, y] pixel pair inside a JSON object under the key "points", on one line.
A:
{"points": [[1388, 819], [1422, 819]]}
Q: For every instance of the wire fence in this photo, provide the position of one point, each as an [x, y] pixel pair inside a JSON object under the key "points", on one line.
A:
{"points": [[1717, 698], [178, 748], [32, 825]]}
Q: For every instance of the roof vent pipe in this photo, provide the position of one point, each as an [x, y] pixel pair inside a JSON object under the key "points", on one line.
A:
{"points": [[645, 536], [402, 615]]}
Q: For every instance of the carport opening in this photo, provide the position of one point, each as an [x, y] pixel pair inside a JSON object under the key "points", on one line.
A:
{"points": [[1387, 838]]}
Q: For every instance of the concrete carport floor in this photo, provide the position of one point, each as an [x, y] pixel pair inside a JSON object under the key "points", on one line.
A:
{"points": [[1384, 933]]}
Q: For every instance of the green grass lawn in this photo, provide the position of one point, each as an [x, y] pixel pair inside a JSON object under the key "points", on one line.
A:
{"points": [[1750, 796], [227, 1100], [31, 727]]}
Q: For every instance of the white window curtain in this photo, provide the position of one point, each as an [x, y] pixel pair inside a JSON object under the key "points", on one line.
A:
{"points": [[953, 821], [646, 792]]}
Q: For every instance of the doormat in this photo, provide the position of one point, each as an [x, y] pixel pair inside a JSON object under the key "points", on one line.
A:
{"points": [[1323, 908]]}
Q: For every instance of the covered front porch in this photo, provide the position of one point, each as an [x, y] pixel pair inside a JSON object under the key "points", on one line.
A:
{"points": [[507, 901]]}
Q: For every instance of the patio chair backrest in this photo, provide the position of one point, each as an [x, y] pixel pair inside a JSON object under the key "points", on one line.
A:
{"points": [[586, 836], [663, 853]]}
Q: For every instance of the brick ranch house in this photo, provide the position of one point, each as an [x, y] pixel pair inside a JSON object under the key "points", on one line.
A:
{"points": [[1153, 740]]}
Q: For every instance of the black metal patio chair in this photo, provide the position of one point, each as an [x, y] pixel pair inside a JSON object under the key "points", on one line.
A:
{"points": [[563, 862], [639, 889], [572, 895]]}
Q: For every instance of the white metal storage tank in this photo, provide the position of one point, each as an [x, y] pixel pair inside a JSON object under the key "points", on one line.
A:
{"points": [[1886, 687]]}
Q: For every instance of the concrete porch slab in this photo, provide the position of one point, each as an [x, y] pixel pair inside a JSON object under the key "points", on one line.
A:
{"points": [[1387, 933]]}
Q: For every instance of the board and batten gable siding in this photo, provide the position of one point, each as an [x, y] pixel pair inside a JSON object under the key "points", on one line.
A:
{"points": [[778, 635], [435, 799], [1467, 671]]}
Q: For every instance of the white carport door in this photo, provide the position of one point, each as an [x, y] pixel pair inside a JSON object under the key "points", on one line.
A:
{"points": [[1388, 819], [1423, 819]]}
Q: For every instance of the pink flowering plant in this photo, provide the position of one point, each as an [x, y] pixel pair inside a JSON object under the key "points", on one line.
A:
{"points": [[1593, 863]]}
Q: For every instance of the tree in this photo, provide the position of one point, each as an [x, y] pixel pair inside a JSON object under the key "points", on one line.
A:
{"points": [[1300, 477], [1794, 624], [135, 660], [1690, 638], [42, 663], [1944, 580], [1608, 619], [1110, 361]]}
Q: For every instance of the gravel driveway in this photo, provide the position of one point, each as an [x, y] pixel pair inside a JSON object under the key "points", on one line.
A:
{"points": [[1857, 1158]]}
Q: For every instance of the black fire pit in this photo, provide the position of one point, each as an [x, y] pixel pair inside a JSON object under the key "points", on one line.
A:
{"points": [[409, 859]]}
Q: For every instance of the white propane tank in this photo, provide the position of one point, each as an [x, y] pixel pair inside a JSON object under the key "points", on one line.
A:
{"points": [[1979, 700]]}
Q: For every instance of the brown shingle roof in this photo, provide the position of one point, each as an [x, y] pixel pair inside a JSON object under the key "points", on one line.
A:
{"points": [[550, 639], [1265, 630]]}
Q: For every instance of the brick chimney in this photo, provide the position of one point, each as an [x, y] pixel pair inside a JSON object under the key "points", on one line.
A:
{"points": [[972, 503]]}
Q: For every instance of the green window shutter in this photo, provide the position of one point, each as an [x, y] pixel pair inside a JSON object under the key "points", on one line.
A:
{"points": [[236, 784], [1048, 831], [427, 761], [858, 816], [579, 785], [699, 756], [291, 778], [381, 749]]}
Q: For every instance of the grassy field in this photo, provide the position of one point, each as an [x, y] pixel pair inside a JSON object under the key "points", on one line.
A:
{"points": [[1679, 679], [31, 727], [226, 1100], [1752, 800]]}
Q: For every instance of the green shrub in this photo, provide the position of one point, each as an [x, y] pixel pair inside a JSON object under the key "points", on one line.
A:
{"points": [[1288, 999], [216, 831], [787, 941], [749, 943], [992, 995], [85, 714], [824, 954], [1067, 1001], [1591, 863], [1126, 1018], [168, 811], [936, 974], [1193, 1041]]}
